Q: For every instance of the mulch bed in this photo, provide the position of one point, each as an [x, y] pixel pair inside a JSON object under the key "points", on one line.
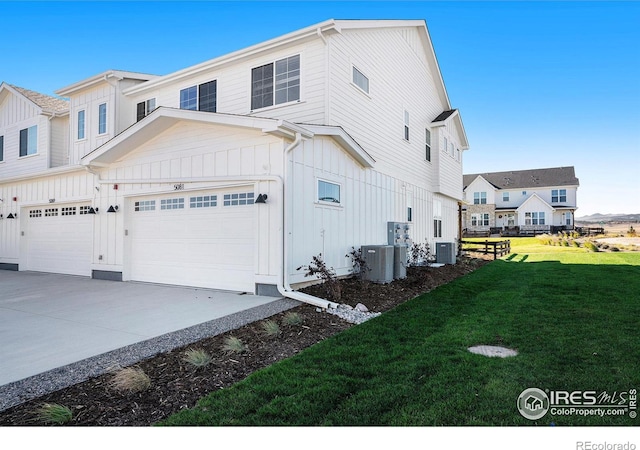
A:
{"points": [[176, 385]]}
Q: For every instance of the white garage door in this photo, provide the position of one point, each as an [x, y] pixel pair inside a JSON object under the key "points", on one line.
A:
{"points": [[203, 239], [59, 239]]}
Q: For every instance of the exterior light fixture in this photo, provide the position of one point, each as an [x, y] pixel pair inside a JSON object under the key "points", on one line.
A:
{"points": [[262, 198], [92, 210], [112, 209], [11, 216]]}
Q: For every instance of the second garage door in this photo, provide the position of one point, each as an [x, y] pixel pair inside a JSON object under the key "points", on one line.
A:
{"points": [[203, 239]]}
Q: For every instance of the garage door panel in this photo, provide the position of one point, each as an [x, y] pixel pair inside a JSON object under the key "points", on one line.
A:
{"points": [[195, 246], [59, 243]]}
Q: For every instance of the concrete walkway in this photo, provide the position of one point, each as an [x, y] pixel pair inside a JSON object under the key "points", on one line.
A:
{"points": [[48, 321]]}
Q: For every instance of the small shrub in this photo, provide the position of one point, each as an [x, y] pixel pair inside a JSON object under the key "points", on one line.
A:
{"points": [[420, 254], [575, 244], [54, 413], [614, 249], [631, 232], [319, 269], [271, 329], [565, 243], [197, 357], [591, 246], [233, 344], [131, 380], [292, 318], [360, 266]]}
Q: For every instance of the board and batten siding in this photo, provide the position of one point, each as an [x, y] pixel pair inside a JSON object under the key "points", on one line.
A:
{"points": [[369, 199], [17, 113], [399, 80], [56, 190], [59, 141], [233, 85], [182, 152]]}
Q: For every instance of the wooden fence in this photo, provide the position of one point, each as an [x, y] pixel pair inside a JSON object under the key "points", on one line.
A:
{"points": [[495, 248]]}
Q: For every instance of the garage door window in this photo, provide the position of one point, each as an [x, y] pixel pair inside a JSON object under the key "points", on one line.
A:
{"points": [[204, 201], [172, 203], [35, 213], [84, 209], [243, 198], [145, 205], [69, 211], [51, 212]]}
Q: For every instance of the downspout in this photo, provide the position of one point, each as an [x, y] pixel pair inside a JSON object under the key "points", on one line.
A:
{"points": [[284, 287]]}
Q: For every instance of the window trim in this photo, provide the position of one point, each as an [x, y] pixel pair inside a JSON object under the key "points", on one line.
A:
{"points": [[558, 196], [273, 63], [198, 99], [327, 202], [480, 197], [82, 129], [427, 144], [106, 121], [354, 82], [28, 140], [146, 108], [505, 194]]}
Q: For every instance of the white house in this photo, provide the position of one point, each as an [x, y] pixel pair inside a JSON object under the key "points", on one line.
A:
{"points": [[536, 200], [234, 172]]}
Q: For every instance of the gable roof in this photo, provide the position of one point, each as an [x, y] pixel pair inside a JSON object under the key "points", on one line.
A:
{"points": [[443, 116], [46, 103], [102, 77], [531, 178], [452, 114]]}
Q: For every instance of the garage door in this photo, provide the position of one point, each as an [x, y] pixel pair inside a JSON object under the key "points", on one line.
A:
{"points": [[59, 239], [203, 239]]}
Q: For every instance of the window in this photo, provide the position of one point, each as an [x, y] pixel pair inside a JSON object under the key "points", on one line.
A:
{"points": [[505, 196], [200, 98], [406, 125], [480, 220], [479, 198], [1, 148], [457, 154], [452, 149], [203, 201], [446, 145], [51, 212], [534, 218], [143, 109], [360, 80], [328, 192], [145, 205], [243, 198], [29, 141], [35, 213], [189, 98], [172, 203], [68, 211], [286, 73], [427, 144], [409, 214], [524, 192], [84, 210], [437, 218], [567, 217], [558, 195], [102, 118], [81, 122]]}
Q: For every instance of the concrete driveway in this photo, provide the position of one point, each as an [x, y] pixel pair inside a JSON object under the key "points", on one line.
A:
{"points": [[48, 321]]}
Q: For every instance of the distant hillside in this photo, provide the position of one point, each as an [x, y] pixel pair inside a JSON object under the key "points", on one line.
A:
{"points": [[609, 218]]}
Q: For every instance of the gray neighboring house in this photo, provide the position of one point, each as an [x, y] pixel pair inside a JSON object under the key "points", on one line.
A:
{"points": [[520, 201]]}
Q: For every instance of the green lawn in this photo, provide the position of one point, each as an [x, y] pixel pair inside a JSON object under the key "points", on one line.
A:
{"points": [[571, 314]]}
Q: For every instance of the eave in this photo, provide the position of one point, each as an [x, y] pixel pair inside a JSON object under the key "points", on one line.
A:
{"points": [[343, 138]]}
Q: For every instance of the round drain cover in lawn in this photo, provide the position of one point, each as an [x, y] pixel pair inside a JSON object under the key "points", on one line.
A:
{"points": [[492, 351]]}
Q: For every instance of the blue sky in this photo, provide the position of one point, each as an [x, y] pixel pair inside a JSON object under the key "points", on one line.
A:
{"points": [[538, 84]]}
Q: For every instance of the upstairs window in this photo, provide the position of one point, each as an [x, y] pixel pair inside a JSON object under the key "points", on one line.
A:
{"points": [[446, 145], [275, 83], [360, 80], [406, 125], [505, 196], [558, 195], [202, 97], [427, 144], [1, 148], [102, 118], [81, 124], [29, 141], [143, 109], [479, 198]]}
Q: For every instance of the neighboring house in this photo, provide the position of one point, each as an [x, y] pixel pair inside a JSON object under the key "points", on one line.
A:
{"points": [[520, 202], [233, 173]]}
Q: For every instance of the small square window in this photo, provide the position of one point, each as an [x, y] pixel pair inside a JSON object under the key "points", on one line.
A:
{"points": [[172, 203], [328, 192], [145, 205]]}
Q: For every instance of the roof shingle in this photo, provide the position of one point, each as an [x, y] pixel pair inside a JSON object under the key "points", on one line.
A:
{"points": [[46, 102], [531, 178]]}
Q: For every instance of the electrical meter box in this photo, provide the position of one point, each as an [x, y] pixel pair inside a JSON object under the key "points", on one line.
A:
{"points": [[398, 233]]}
